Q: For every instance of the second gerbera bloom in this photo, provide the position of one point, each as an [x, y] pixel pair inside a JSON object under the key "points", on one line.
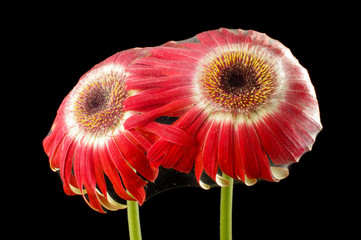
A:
{"points": [[95, 156], [245, 99]]}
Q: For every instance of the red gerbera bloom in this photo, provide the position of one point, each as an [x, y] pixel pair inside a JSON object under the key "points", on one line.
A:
{"points": [[88, 144], [243, 96]]}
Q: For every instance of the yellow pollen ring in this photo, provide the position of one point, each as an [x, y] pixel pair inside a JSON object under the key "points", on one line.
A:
{"points": [[238, 81], [98, 105]]}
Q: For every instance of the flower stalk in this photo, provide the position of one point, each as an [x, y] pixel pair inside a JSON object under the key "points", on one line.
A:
{"points": [[133, 221], [226, 210]]}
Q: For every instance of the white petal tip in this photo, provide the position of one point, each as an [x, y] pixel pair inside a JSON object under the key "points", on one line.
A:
{"points": [[204, 186], [221, 181], [250, 181], [279, 173]]}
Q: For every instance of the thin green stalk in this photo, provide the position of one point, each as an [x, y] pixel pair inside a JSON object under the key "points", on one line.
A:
{"points": [[226, 210], [133, 221]]}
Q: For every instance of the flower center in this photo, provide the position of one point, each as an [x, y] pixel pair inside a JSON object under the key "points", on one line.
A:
{"points": [[238, 81], [98, 107], [96, 101]]}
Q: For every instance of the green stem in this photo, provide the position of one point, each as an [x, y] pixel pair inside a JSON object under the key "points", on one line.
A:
{"points": [[226, 210], [133, 221]]}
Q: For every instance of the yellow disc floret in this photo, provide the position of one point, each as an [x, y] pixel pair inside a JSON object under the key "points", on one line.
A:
{"points": [[238, 80]]}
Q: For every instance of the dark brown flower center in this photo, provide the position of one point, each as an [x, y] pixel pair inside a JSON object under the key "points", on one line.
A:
{"points": [[238, 81], [98, 107], [96, 101]]}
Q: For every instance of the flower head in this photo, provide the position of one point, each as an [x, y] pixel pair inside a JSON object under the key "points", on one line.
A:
{"points": [[88, 144], [243, 97]]}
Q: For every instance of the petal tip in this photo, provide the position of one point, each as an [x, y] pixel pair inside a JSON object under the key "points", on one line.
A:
{"points": [[203, 185], [221, 181], [279, 173], [250, 181]]}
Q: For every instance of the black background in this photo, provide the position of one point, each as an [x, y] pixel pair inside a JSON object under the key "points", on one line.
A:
{"points": [[59, 45]]}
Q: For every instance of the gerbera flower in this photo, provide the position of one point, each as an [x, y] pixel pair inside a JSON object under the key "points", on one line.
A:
{"points": [[88, 144], [243, 96]]}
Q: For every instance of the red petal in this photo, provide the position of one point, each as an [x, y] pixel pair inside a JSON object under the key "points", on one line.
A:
{"points": [[210, 148], [170, 155], [156, 152], [197, 49], [171, 133], [173, 155], [163, 63], [152, 99], [135, 157], [255, 161], [80, 156], [90, 180], [125, 58], [304, 127], [230, 36], [141, 119], [238, 158], [52, 145], [226, 149], [152, 71], [263, 170], [110, 170], [192, 120], [186, 163], [176, 52], [143, 142], [132, 182], [199, 166], [144, 83], [67, 163], [99, 172], [299, 94], [163, 152], [259, 38], [285, 134], [309, 120], [277, 152], [212, 38]]}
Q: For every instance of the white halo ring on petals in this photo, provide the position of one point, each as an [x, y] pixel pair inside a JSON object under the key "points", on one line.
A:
{"points": [[260, 52], [89, 78]]}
